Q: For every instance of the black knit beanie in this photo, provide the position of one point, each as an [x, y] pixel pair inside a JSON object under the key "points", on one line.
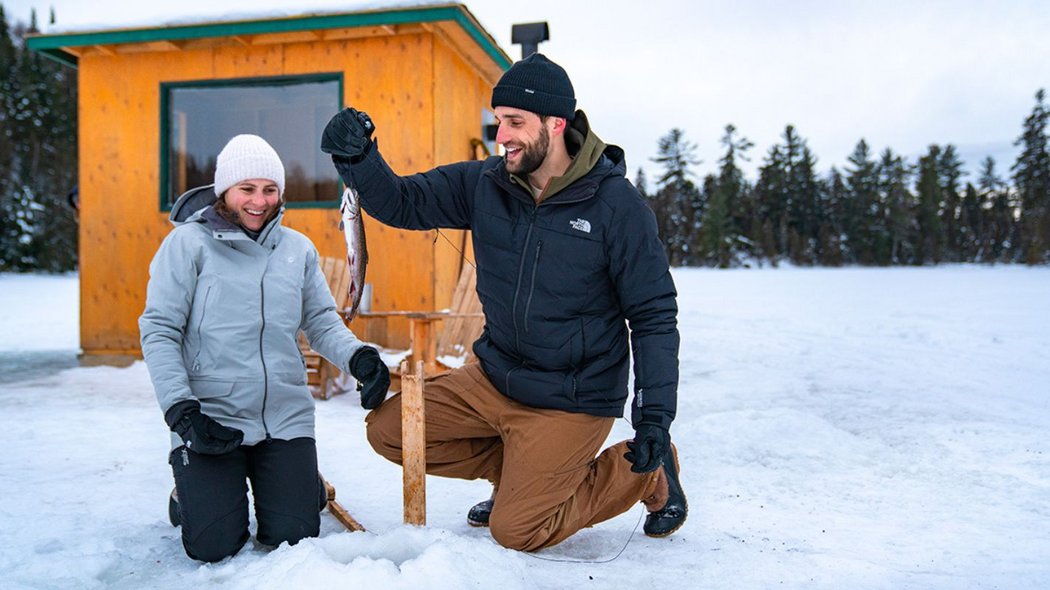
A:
{"points": [[538, 85]]}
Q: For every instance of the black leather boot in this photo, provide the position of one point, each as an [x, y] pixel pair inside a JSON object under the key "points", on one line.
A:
{"points": [[478, 515], [671, 517]]}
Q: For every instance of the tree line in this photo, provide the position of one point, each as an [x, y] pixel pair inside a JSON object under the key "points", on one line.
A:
{"points": [[38, 156], [879, 210]]}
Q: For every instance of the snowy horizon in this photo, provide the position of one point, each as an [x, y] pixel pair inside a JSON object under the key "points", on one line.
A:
{"points": [[872, 428]]}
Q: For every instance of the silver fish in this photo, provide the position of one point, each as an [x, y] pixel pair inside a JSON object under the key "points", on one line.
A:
{"points": [[353, 227]]}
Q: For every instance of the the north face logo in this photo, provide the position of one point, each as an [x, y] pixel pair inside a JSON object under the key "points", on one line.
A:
{"points": [[580, 224]]}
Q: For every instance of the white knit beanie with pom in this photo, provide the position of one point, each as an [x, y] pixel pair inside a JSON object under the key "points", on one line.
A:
{"points": [[247, 157]]}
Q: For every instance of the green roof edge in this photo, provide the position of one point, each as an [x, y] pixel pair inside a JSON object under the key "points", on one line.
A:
{"points": [[51, 45]]}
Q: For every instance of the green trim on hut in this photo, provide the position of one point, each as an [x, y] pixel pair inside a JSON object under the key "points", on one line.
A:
{"points": [[52, 45]]}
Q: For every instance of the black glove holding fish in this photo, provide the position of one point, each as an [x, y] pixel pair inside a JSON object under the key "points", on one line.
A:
{"points": [[348, 135]]}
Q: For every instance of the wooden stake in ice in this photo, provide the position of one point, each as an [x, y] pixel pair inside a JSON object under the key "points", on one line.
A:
{"points": [[413, 445]]}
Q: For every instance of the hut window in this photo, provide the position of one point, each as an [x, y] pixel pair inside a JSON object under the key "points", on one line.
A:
{"points": [[289, 112]]}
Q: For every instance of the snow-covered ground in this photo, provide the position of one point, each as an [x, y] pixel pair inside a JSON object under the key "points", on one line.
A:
{"points": [[838, 428]]}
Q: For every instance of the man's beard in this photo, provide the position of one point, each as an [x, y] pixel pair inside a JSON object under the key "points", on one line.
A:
{"points": [[532, 155]]}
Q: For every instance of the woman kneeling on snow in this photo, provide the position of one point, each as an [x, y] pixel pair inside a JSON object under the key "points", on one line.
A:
{"points": [[229, 290]]}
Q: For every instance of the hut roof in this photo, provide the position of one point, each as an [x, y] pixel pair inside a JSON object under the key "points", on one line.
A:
{"points": [[453, 21]]}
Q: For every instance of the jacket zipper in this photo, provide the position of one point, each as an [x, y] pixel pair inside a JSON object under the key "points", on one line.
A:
{"points": [[262, 357], [532, 286], [200, 343], [517, 287]]}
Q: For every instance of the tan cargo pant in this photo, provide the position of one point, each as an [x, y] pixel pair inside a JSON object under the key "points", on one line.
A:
{"points": [[548, 482]]}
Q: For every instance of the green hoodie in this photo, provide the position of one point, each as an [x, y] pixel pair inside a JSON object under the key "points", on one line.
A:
{"points": [[583, 146]]}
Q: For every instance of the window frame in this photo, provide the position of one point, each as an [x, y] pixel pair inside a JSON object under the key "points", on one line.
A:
{"points": [[246, 82]]}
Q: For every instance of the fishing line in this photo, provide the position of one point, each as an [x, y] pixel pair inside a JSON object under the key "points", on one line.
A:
{"points": [[456, 248], [641, 513], [634, 530]]}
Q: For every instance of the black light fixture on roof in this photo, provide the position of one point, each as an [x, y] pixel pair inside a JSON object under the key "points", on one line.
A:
{"points": [[529, 36]]}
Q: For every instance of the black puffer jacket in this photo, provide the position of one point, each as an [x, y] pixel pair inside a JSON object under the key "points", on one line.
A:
{"points": [[556, 281]]}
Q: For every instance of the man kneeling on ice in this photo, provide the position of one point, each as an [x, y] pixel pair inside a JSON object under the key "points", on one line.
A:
{"points": [[568, 258]]}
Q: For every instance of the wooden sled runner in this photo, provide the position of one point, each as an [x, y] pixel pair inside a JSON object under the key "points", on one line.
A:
{"points": [[337, 510]]}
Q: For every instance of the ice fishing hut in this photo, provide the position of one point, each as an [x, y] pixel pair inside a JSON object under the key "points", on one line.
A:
{"points": [[156, 104]]}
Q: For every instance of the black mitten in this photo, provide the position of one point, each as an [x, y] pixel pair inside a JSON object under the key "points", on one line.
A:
{"points": [[348, 134], [369, 369], [200, 432], [651, 442]]}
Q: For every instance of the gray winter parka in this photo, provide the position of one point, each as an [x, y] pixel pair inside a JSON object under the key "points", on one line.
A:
{"points": [[221, 319]]}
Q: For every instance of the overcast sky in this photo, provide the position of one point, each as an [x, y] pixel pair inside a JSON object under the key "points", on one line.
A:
{"points": [[900, 74]]}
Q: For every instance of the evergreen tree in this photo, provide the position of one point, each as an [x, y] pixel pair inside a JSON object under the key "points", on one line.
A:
{"points": [[677, 203], [771, 198], [832, 234], [788, 195], [996, 211], [929, 245], [950, 171], [899, 210], [864, 215], [807, 215], [8, 223], [713, 216], [37, 228], [971, 224], [1031, 173], [724, 219], [8, 58], [641, 182]]}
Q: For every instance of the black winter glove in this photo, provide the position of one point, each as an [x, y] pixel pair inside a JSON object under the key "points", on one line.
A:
{"points": [[348, 134], [201, 433], [651, 442], [373, 375]]}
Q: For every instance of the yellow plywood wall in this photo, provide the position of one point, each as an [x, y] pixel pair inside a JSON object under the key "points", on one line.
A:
{"points": [[424, 97]]}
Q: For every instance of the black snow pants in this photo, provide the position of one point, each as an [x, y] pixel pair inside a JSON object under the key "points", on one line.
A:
{"points": [[213, 496]]}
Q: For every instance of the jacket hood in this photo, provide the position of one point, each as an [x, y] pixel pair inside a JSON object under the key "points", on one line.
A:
{"points": [[592, 157], [191, 203], [587, 149]]}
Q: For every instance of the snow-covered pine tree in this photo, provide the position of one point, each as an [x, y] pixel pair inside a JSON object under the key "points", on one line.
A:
{"points": [[8, 224], [38, 227]]}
